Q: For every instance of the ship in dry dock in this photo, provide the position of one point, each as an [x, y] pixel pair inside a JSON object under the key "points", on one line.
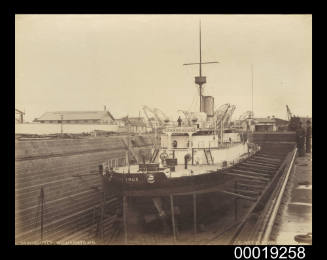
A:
{"points": [[193, 157]]}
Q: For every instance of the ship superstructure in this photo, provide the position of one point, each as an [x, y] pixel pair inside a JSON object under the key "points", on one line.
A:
{"points": [[196, 145]]}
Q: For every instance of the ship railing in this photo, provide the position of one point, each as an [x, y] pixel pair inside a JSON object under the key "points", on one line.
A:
{"points": [[177, 148], [220, 146]]}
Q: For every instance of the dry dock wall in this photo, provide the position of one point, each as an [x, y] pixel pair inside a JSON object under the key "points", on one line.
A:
{"points": [[71, 204], [278, 137], [274, 142]]}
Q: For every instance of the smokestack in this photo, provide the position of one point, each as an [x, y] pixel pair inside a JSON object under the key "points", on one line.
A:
{"points": [[105, 109]]}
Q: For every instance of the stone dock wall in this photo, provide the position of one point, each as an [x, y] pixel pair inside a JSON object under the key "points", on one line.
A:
{"points": [[71, 201]]}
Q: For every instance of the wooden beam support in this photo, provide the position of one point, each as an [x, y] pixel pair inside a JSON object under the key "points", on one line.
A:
{"points": [[173, 216], [194, 214], [125, 218], [102, 216], [240, 196]]}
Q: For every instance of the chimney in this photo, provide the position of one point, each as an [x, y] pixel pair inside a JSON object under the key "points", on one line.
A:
{"points": [[105, 109]]}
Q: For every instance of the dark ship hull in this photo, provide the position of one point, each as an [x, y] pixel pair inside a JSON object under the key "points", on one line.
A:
{"points": [[151, 206]]}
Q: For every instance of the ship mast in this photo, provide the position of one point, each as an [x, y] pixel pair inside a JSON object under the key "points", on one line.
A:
{"points": [[252, 90], [200, 80]]}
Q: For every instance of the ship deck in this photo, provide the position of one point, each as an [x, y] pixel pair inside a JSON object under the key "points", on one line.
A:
{"points": [[180, 170]]}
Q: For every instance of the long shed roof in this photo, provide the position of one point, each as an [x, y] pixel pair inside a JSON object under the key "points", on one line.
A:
{"points": [[76, 115]]}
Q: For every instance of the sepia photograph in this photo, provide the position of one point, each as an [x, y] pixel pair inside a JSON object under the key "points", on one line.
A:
{"points": [[163, 129]]}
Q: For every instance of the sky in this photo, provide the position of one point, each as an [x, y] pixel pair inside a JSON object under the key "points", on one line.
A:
{"points": [[123, 62]]}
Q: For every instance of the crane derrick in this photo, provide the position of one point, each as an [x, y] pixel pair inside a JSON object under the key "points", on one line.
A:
{"points": [[155, 117], [289, 114], [246, 115], [148, 110], [229, 115], [161, 116], [220, 113]]}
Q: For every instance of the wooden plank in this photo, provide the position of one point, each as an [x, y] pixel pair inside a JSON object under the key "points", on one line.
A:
{"points": [[251, 172], [250, 185], [263, 179], [251, 168], [265, 160], [240, 196], [57, 221], [259, 166], [248, 192], [263, 163], [269, 156]]}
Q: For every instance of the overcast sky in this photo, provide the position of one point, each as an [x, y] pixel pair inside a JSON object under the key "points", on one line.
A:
{"points": [[83, 62]]}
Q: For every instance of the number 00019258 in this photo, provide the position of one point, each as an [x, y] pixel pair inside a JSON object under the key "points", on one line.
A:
{"points": [[283, 252]]}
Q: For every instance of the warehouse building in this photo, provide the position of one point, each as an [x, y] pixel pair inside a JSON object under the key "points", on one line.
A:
{"points": [[19, 116], [264, 125], [77, 117]]}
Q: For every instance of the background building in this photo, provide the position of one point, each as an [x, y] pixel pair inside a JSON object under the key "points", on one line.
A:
{"points": [[264, 125], [19, 116], [136, 124], [77, 117]]}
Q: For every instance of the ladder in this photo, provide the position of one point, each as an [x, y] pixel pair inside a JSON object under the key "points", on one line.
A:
{"points": [[207, 153]]}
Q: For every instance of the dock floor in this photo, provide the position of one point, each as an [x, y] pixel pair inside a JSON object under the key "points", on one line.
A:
{"points": [[296, 212]]}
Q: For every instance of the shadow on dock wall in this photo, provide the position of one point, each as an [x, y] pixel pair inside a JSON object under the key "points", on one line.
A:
{"points": [[70, 204], [278, 137]]}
